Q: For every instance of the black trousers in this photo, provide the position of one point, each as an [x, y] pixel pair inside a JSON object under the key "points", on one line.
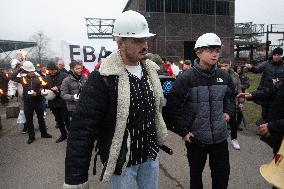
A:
{"points": [[234, 128], [218, 162], [29, 109], [62, 118], [240, 117]]}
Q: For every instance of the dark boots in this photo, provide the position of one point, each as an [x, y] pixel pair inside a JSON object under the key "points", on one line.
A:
{"points": [[61, 138], [30, 140], [46, 135]]}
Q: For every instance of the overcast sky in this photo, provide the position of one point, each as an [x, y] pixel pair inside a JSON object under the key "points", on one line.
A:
{"points": [[64, 19]]}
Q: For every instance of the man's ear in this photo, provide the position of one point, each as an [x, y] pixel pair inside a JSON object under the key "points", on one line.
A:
{"points": [[198, 52], [120, 44]]}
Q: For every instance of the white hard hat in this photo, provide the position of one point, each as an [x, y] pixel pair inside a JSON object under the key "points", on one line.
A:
{"points": [[208, 39], [131, 24], [50, 94], [28, 66], [14, 63]]}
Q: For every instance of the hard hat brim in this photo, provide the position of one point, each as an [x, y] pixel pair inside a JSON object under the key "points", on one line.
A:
{"points": [[135, 35], [30, 70]]}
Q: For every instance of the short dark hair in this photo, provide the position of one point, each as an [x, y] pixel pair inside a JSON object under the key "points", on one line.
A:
{"points": [[187, 62], [74, 63], [51, 66], [277, 50]]}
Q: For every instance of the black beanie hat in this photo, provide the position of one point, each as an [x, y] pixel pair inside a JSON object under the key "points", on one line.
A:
{"points": [[277, 50], [187, 62], [51, 66]]}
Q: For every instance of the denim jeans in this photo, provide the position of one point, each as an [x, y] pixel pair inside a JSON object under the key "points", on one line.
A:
{"points": [[144, 175]]}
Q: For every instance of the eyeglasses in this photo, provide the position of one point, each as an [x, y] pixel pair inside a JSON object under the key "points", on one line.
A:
{"points": [[212, 49]]}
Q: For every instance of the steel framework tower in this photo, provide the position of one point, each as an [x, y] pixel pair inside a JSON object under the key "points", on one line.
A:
{"points": [[99, 28]]}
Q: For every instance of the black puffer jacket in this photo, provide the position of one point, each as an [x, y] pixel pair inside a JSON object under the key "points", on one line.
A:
{"points": [[56, 80], [270, 70], [197, 102]]}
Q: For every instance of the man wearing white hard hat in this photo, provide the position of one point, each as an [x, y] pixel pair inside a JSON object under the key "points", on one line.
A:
{"points": [[200, 105], [32, 85], [120, 108]]}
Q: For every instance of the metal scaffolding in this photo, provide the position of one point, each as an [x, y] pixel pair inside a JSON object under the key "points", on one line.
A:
{"points": [[99, 28]]}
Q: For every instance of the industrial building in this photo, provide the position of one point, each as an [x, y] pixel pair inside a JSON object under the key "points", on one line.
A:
{"points": [[178, 24]]}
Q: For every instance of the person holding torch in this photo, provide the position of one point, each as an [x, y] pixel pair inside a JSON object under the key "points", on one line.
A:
{"points": [[32, 98]]}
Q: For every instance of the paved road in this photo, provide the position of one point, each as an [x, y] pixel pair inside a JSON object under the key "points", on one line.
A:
{"points": [[41, 164]]}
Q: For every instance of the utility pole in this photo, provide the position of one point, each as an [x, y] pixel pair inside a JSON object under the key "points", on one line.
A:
{"points": [[267, 42]]}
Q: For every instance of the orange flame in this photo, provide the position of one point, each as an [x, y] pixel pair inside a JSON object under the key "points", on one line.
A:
{"points": [[1, 92], [7, 75], [25, 81], [47, 72], [43, 83]]}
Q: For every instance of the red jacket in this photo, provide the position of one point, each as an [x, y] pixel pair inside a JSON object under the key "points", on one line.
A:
{"points": [[85, 72]]}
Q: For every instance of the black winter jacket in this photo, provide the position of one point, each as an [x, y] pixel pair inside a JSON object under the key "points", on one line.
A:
{"points": [[101, 115], [56, 80], [276, 123], [29, 83], [270, 70], [197, 102]]}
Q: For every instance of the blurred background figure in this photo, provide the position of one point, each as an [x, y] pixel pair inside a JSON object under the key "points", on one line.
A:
{"points": [[61, 66], [84, 71], [5, 75], [57, 105], [72, 85], [241, 71], [271, 69], [225, 64]]}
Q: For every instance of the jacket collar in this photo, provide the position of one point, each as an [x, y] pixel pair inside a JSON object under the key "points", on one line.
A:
{"points": [[113, 65], [202, 71]]}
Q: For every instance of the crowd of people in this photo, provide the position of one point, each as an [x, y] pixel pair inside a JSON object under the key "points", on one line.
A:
{"points": [[128, 104]]}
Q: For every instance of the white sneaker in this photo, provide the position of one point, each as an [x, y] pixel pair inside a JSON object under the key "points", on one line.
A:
{"points": [[235, 144]]}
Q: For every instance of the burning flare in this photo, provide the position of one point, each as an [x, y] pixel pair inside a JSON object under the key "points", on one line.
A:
{"points": [[43, 83], [1, 92], [25, 81]]}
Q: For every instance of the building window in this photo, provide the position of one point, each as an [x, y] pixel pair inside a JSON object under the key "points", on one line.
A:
{"points": [[154, 6], [222, 8], [172, 6], [205, 7]]}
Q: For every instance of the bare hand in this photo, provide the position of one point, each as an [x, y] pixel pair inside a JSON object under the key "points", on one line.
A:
{"points": [[263, 130], [187, 137], [226, 117], [34, 94], [275, 81], [244, 95], [248, 66], [55, 88]]}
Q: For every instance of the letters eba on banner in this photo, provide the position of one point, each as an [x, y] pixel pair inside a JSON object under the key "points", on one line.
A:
{"points": [[88, 52]]}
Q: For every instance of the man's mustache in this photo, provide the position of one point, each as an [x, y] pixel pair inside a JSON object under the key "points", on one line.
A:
{"points": [[144, 50]]}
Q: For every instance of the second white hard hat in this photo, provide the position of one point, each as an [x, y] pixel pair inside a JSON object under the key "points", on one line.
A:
{"points": [[208, 39], [28, 66], [131, 24]]}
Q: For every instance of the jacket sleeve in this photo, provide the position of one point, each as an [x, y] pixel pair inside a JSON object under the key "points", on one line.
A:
{"points": [[276, 126], [262, 96], [65, 93], [229, 102], [86, 123], [175, 109], [245, 83], [259, 68]]}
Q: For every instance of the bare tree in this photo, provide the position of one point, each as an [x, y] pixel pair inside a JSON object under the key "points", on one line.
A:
{"points": [[41, 52]]}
